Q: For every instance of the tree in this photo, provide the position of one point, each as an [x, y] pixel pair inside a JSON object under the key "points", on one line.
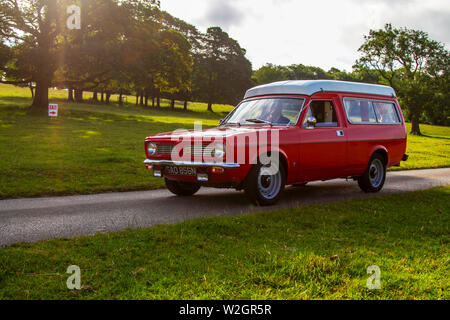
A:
{"points": [[270, 73], [92, 54], [438, 108], [302, 72], [5, 56], [20, 66], [408, 61], [81, 59], [35, 25], [176, 64], [194, 37], [157, 58], [222, 73]]}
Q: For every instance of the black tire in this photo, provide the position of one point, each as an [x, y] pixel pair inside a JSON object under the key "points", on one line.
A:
{"points": [[373, 179], [183, 189], [258, 195]]}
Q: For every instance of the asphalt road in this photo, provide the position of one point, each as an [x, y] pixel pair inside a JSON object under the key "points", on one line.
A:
{"points": [[29, 220]]}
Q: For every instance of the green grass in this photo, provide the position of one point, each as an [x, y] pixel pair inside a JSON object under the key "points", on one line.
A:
{"points": [[431, 150], [313, 252], [88, 149], [95, 148]]}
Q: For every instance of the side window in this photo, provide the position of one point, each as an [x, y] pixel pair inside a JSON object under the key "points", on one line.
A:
{"points": [[324, 112], [360, 111], [386, 112]]}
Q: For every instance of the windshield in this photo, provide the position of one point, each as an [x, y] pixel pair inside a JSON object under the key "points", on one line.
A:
{"points": [[274, 111]]}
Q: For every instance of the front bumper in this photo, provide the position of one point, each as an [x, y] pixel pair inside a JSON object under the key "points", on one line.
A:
{"points": [[214, 174], [149, 162]]}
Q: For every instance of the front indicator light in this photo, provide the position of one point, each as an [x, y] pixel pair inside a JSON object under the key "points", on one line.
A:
{"points": [[218, 170]]}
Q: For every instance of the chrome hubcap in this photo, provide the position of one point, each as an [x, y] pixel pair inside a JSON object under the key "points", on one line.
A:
{"points": [[376, 172], [269, 184]]}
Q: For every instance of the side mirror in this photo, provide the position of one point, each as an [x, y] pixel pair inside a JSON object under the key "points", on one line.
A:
{"points": [[311, 122]]}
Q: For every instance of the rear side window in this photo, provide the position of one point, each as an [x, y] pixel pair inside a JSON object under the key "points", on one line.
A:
{"points": [[362, 111], [386, 112]]}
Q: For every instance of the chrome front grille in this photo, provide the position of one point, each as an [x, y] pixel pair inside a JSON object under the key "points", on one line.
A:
{"points": [[198, 151], [164, 149]]}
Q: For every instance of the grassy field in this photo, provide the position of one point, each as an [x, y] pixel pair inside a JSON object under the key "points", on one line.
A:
{"points": [[313, 252], [94, 148], [88, 149], [431, 150]]}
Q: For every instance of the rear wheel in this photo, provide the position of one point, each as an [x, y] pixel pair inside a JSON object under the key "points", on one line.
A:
{"points": [[373, 179], [182, 188], [265, 184]]}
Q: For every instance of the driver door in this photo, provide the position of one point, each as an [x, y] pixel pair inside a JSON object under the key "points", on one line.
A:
{"points": [[323, 147]]}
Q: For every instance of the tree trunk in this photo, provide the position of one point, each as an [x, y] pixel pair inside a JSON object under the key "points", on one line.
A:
{"points": [[70, 95], [146, 98], [78, 95], [40, 101], [210, 107], [158, 102], [108, 96], [415, 128], [121, 97], [31, 89], [172, 104], [102, 97], [185, 105], [153, 102], [95, 96], [137, 97], [142, 98]]}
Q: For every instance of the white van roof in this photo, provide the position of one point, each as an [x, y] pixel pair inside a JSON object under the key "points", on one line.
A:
{"points": [[310, 87]]}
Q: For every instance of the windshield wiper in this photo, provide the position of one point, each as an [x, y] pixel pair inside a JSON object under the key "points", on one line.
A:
{"points": [[258, 121], [231, 123]]}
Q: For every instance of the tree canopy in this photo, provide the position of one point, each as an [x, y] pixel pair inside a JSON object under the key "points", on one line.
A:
{"points": [[132, 47], [413, 64], [123, 47]]}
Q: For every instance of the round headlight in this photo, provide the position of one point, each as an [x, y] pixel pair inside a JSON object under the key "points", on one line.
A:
{"points": [[187, 151], [219, 151], [151, 148]]}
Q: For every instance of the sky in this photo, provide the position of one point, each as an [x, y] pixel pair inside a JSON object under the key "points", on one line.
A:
{"points": [[323, 33]]}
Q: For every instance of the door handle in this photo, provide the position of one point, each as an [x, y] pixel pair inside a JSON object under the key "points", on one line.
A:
{"points": [[340, 133]]}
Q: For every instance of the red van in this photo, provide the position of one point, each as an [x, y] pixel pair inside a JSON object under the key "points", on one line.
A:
{"points": [[287, 133]]}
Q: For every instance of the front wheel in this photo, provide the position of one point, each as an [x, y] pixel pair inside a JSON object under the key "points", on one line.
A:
{"points": [[265, 184], [182, 188], [373, 179]]}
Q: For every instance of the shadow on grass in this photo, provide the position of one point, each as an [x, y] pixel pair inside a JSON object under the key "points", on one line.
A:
{"points": [[433, 137], [165, 109]]}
